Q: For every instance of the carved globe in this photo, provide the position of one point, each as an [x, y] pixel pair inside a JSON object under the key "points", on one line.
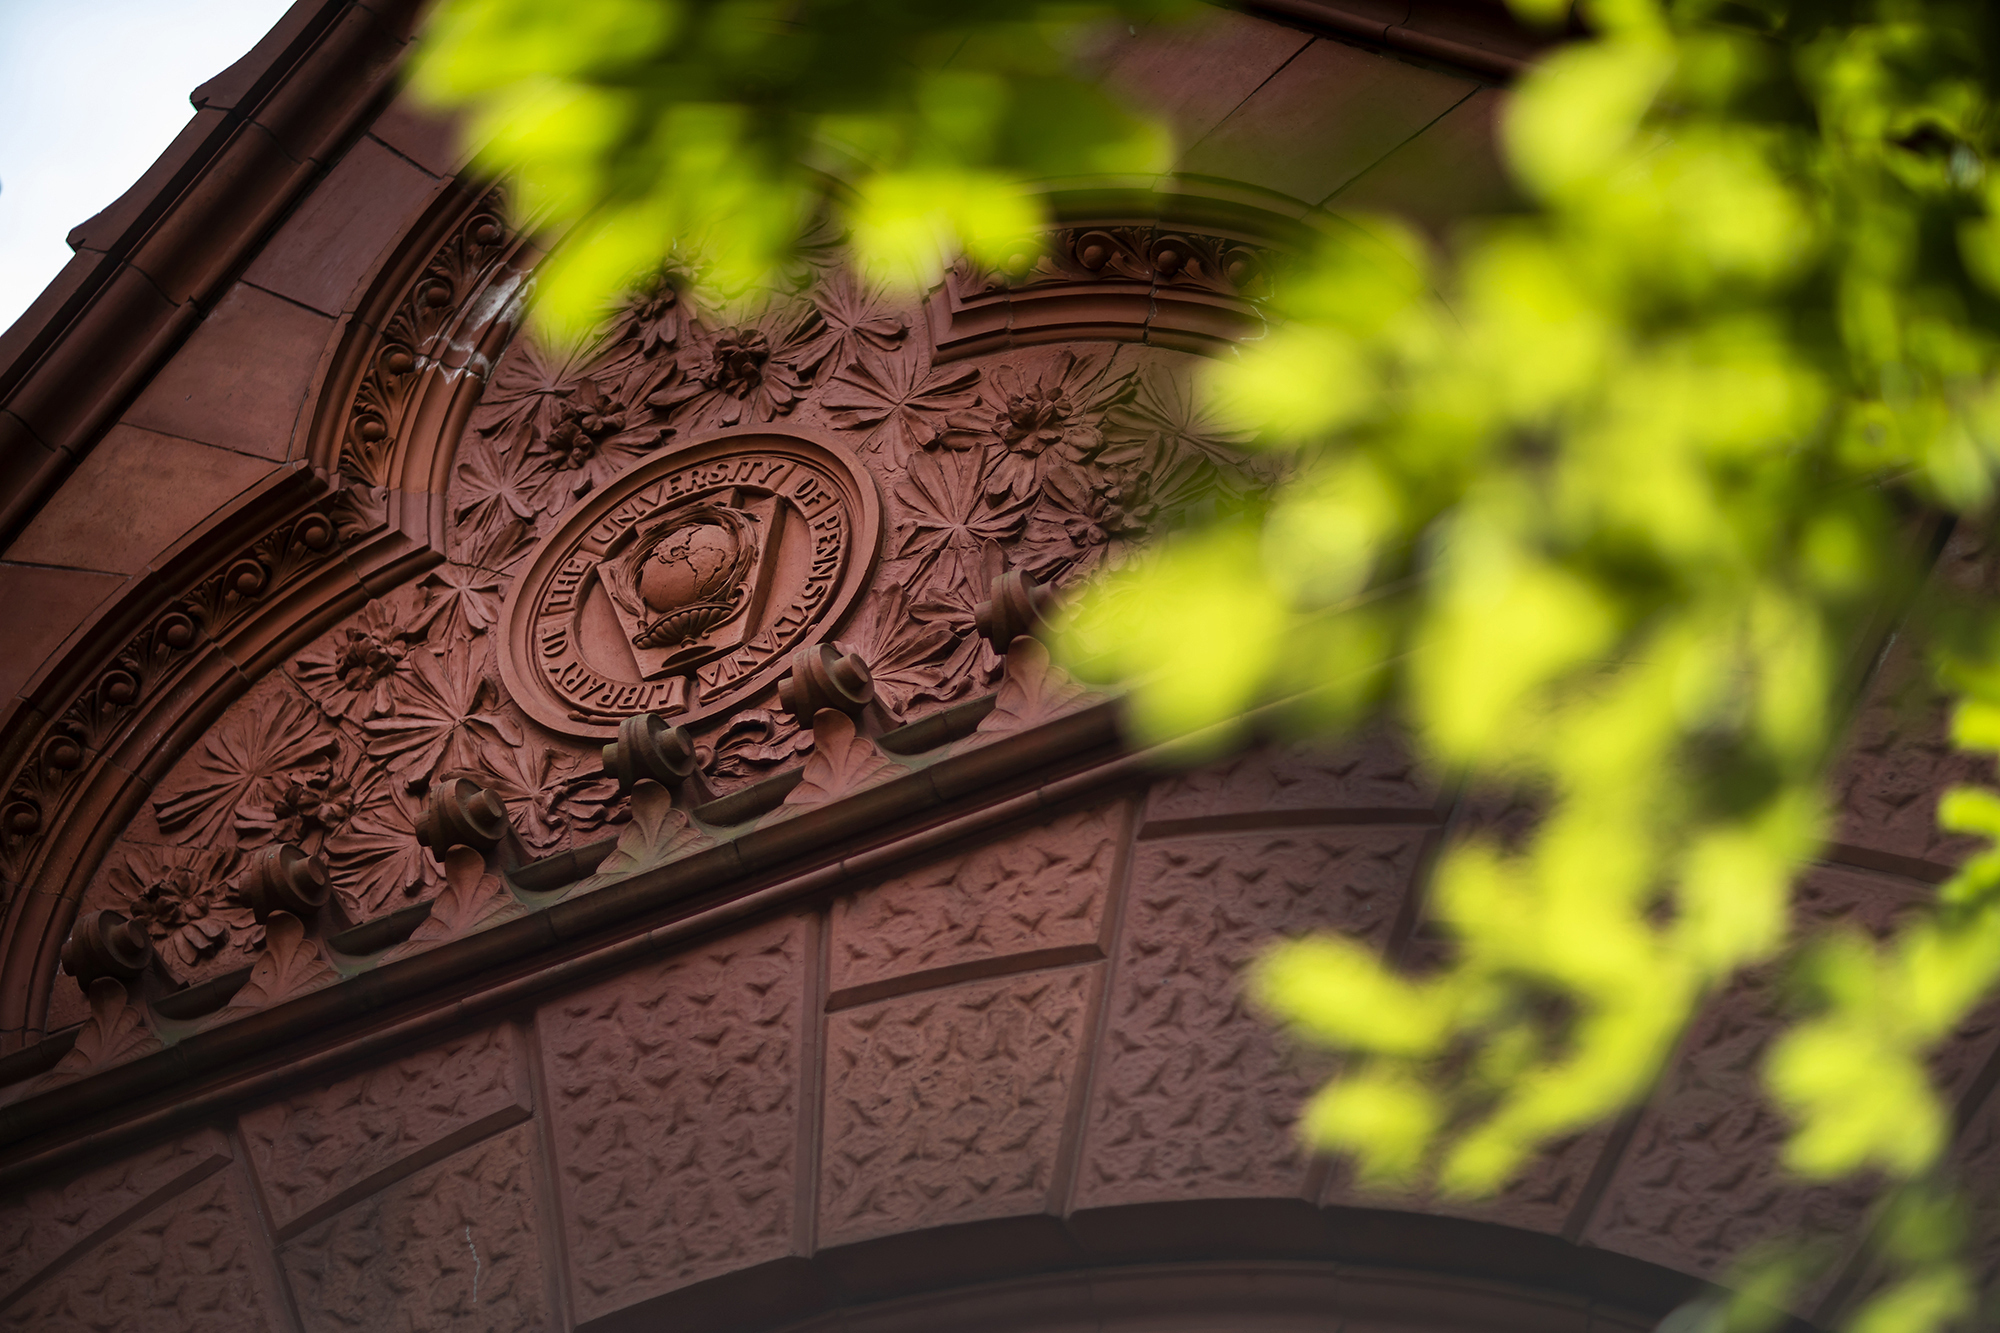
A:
{"points": [[686, 581]]}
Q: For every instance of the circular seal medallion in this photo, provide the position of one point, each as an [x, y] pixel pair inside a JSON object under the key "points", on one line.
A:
{"points": [[682, 587]]}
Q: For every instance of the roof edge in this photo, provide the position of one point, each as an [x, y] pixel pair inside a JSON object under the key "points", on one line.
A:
{"points": [[148, 267], [1480, 36]]}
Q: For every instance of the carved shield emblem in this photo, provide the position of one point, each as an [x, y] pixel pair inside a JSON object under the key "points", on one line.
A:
{"points": [[681, 587]]}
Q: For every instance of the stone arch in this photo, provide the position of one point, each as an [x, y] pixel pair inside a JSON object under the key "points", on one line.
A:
{"points": [[1206, 1266]]}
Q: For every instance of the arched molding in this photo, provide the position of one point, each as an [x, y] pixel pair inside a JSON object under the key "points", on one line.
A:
{"points": [[1199, 1266], [137, 686]]}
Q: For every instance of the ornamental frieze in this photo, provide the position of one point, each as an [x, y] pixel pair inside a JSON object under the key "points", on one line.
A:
{"points": [[726, 522]]}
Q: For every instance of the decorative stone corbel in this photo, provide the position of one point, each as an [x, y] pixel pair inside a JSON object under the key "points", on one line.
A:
{"points": [[1017, 605], [843, 761], [656, 833], [461, 813], [105, 944], [649, 749], [286, 878], [474, 897], [117, 1032], [826, 676]]}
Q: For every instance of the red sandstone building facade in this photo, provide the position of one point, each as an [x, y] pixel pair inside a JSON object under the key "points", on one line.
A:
{"points": [[371, 960]]}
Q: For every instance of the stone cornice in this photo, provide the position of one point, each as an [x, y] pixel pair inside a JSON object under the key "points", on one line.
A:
{"points": [[396, 992]]}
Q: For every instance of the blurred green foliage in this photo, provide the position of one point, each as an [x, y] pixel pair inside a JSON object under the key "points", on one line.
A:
{"points": [[1624, 487], [1609, 500], [720, 128]]}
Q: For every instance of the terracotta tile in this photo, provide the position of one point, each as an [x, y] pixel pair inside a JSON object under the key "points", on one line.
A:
{"points": [[57, 303], [1329, 115], [334, 238], [426, 137], [241, 377], [123, 219], [321, 1149], [44, 606], [189, 1263], [674, 1112], [1450, 170], [1038, 892], [185, 254], [1374, 771], [454, 1247], [949, 1105], [39, 1225], [1195, 1094], [1194, 74], [134, 495]]}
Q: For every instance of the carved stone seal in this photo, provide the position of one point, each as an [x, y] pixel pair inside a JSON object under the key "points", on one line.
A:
{"points": [[684, 585]]}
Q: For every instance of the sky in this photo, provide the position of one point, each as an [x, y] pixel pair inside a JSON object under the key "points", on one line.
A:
{"points": [[91, 91]]}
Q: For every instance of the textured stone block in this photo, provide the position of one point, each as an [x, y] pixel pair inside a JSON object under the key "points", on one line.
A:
{"points": [[1450, 170], [44, 606], [1193, 74], [241, 378], [1700, 1180], [453, 1249], [1899, 760], [316, 1152], [187, 1266], [1326, 117], [1372, 772], [675, 1112], [949, 1106], [1195, 1095], [1039, 891], [426, 137], [45, 1223], [333, 239], [133, 496]]}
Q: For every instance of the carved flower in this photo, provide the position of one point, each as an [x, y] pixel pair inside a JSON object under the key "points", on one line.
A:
{"points": [[756, 741], [460, 602], [550, 794], [912, 661], [304, 807], [1076, 517], [1165, 423], [655, 323], [592, 441], [1027, 413], [349, 672], [529, 392], [259, 742], [378, 864], [953, 514], [903, 407], [495, 503], [184, 897], [746, 375], [857, 320], [444, 710]]}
